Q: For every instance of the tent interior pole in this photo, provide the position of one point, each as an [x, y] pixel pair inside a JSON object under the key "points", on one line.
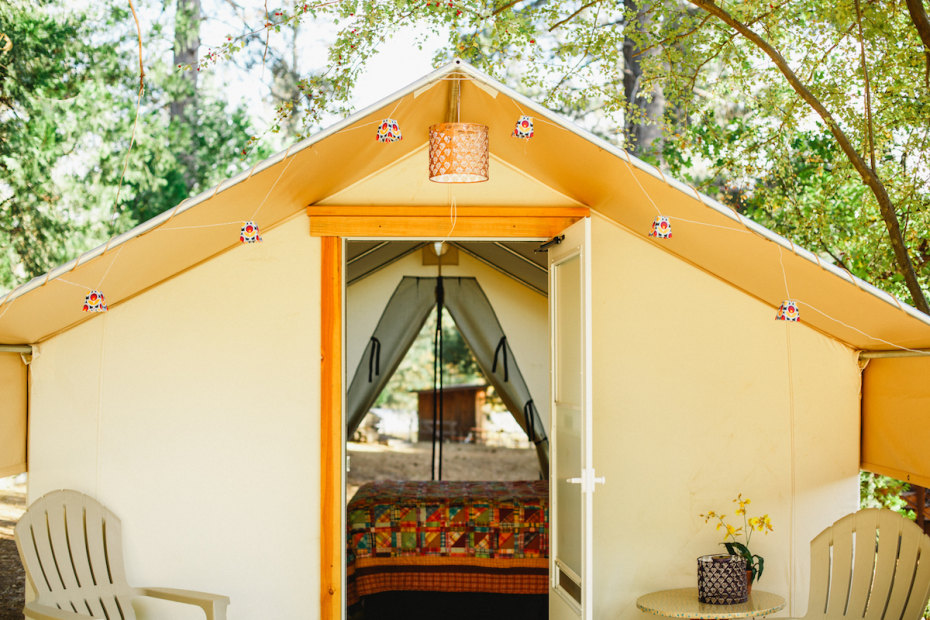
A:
{"points": [[871, 355], [16, 348]]}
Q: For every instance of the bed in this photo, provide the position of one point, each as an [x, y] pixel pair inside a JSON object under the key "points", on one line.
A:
{"points": [[448, 537]]}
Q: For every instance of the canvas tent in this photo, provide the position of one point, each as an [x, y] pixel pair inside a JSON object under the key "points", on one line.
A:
{"points": [[399, 325], [218, 368]]}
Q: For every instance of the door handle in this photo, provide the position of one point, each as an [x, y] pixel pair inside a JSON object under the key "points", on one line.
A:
{"points": [[587, 480]]}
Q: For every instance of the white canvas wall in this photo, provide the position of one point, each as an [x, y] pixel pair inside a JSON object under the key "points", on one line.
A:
{"points": [[192, 412], [522, 312], [692, 405]]}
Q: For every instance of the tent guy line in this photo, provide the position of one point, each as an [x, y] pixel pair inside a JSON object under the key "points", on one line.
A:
{"points": [[749, 226]]}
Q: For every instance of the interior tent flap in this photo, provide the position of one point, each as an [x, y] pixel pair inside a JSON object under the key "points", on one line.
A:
{"points": [[896, 418], [12, 415]]}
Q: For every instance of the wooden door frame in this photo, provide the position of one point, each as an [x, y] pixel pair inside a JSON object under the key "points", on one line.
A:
{"points": [[333, 224]]}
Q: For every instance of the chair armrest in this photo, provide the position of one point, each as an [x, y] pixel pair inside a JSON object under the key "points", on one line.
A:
{"points": [[214, 605], [37, 611]]}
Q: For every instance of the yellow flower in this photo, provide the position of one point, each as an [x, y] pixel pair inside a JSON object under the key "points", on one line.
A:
{"points": [[766, 523]]}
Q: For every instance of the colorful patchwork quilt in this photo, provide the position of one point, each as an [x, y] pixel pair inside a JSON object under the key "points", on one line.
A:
{"points": [[448, 537]]}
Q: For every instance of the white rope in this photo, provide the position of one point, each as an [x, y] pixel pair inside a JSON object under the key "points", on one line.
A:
{"points": [[739, 230], [107, 272], [236, 223], [629, 166], [273, 185], [81, 286], [856, 329], [784, 274]]}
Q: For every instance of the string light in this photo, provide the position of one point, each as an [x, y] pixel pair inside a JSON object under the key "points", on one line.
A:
{"points": [[389, 131], [523, 128]]}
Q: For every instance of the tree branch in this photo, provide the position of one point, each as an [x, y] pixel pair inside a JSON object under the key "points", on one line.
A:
{"points": [[503, 8], [573, 15], [868, 95], [919, 17], [869, 176]]}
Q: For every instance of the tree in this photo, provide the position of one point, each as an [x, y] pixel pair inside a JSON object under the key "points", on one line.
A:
{"points": [[743, 82], [67, 118], [44, 67], [868, 171]]}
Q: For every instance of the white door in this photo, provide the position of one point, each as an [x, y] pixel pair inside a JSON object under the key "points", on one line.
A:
{"points": [[572, 478]]}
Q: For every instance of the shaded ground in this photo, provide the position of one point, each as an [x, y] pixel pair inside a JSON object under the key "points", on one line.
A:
{"points": [[12, 578], [460, 461]]}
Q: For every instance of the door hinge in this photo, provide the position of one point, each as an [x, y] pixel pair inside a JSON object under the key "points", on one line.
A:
{"points": [[587, 480]]}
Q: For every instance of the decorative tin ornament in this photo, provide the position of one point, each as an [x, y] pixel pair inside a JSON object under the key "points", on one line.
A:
{"points": [[458, 153], [249, 233], [94, 302], [524, 128], [788, 311], [388, 131], [661, 228]]}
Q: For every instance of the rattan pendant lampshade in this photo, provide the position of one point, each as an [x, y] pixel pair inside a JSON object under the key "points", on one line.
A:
{"points": [[458, 153]]}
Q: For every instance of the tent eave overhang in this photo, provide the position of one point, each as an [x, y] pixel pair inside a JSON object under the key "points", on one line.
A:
{"points": [[568, 160]]}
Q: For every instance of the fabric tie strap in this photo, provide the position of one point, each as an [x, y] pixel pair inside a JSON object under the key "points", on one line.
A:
{"points": [[501, 346], [529, 414], [374, 358]]}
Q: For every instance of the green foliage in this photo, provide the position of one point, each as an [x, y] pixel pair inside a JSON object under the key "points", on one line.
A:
{"points": [[68, 96], [876, 491], [732, 124], [415, 371]]}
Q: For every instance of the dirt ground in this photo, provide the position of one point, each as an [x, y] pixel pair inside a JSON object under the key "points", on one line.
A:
{"points": [[460, 461], [12, 505]]}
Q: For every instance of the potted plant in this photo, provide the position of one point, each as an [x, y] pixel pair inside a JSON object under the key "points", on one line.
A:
{"points": [[755, 563]]}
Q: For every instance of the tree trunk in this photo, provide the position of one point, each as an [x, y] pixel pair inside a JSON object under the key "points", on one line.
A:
{"points": [[643, 124], [183, 106], [869, 177]]}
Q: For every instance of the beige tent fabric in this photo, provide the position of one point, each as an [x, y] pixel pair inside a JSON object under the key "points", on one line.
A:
{"points": [[570, 165], [896, 418], [13, 386], [565, 161]]}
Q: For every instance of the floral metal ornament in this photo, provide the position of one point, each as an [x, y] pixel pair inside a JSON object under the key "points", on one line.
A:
{"points": [[661, 228], [524, 128], [388, 131], [788, 311], [94, 302], [458, 153], [249, 233]]}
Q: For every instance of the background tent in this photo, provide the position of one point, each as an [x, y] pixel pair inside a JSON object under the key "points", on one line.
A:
{"points": [[399, 325]]}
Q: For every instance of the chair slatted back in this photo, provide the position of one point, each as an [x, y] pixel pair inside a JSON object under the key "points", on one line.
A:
{"points": [[71, 548], [870, 565]]}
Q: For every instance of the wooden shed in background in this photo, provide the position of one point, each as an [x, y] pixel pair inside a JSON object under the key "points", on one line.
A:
{"points": [[462, 407]]}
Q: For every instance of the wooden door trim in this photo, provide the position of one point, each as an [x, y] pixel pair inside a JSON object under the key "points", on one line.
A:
{"points": [[406, 222], [331, 569], [431, 221]]}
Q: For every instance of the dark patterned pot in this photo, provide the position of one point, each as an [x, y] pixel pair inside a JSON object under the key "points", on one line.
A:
{"points": [[722, 579]]}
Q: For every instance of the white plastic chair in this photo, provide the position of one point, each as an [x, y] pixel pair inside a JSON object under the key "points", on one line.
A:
{"points": [[71, 548], [870, 565]]}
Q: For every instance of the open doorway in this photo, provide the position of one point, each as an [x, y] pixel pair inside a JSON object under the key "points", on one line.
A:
{"points": [[446, 488]]}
